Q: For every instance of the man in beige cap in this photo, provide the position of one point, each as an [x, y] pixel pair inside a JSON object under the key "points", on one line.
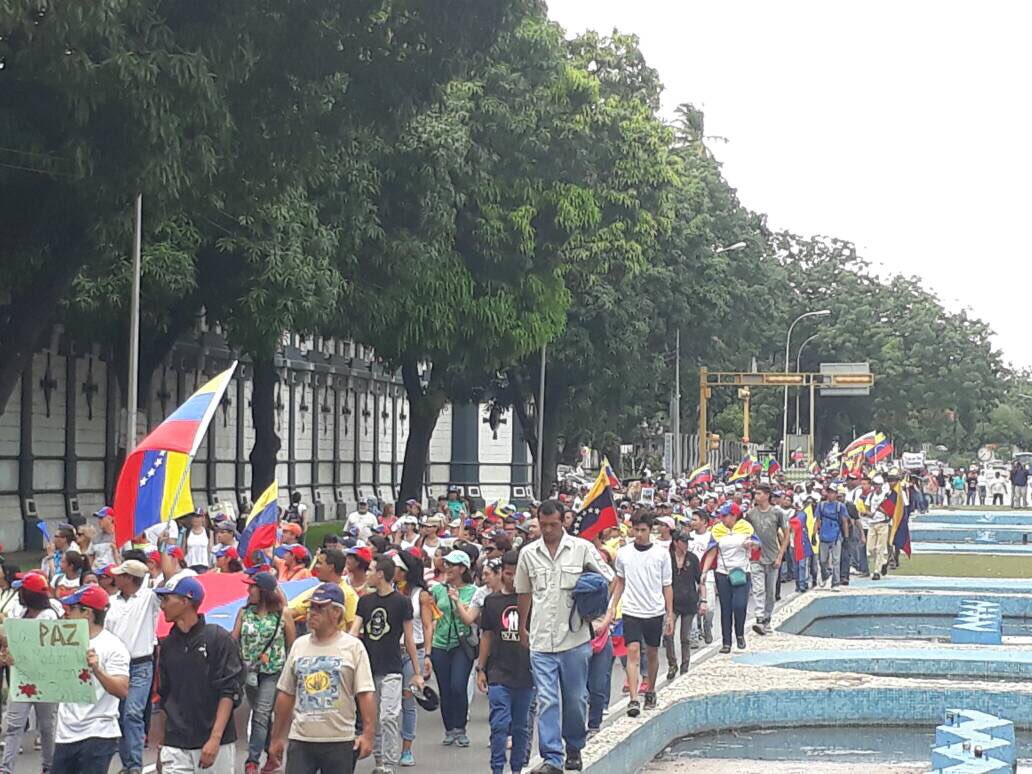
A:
{"points": [[133, 618]]}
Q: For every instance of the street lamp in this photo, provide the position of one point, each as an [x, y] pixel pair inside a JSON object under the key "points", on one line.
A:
{"points": [[730, 248], [798, 360], [784, 418]]}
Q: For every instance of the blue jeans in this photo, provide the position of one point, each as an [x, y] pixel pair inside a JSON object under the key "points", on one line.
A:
{"points": [[510, 716], [452, 668], [261, 697], [90, 756], [733, 602], [131, 709], [600, 680], [562, 691], [408, 704]]}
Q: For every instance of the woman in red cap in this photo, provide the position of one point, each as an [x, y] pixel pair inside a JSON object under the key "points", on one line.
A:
{"points": [[34, 601]]}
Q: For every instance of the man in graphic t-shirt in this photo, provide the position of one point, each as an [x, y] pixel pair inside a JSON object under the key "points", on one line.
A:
{"points": [[503, 670], [325, 678], [384, 622]]}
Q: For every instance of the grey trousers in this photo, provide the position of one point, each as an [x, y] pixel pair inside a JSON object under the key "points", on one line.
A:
{"points": [[764, 586], [831, 554], [15, 717], [387, 744]]}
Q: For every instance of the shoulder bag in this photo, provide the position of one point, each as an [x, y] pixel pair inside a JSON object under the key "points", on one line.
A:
{"points": [[736, 576]]}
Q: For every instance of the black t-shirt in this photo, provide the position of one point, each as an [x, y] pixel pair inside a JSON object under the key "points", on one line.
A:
{"points": [[383, 630], [685, 586], [509, 662]]}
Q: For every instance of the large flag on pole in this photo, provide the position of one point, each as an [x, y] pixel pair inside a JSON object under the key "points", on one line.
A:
{"points": [[153, 485], [701, 475], [260, 531], [598, 512], [861, 444], [744, 469], [897, 506]]}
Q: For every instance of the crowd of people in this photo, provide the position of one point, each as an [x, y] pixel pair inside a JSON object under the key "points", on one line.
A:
{"points": [[511, 604], [978, 485]]}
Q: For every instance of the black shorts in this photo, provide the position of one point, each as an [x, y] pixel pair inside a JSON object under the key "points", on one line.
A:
{"points": [[647, 630]]}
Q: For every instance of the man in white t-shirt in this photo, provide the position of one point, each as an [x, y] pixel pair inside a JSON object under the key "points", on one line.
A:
{"points": [[644, 578], [133, 618], [363, 521], [87, 734], [698, 543]]}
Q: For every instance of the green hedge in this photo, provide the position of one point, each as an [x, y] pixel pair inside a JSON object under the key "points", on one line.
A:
{"points": [[316, 532]]}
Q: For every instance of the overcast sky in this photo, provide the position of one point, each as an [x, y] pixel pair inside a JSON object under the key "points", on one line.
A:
{"points": [[904, 127]]}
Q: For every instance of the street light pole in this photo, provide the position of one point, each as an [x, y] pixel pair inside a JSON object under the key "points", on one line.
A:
{"points": [[538, 478], [676, 419], [798, 361], [784, 418], [134, 330]]}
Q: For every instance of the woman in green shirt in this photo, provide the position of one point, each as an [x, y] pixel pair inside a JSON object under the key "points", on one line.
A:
{"points": [[452, 655], [265, 635]]}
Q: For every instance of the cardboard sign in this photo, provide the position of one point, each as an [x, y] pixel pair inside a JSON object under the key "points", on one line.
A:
{"points": [[913, 460], [49, 660], [648, 495]]}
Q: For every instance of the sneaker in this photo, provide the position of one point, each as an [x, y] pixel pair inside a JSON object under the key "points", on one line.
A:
{"points": [[573, 761], [758, 627], [251, 767], [876, 576], [766, 628], [462, 740], [650, 700], [684, 669], [633, 708], [671, 672], [741, 643], [592, 732], [449, 738], [407, 758], [725, 648], [644, 687], [546, 768], [708, 638]]}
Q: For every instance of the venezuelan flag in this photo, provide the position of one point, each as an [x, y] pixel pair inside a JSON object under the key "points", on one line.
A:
{"points": [[153, 485], [701, 475], [744, 470], [185, 427], [260, 531], [614, 482]]}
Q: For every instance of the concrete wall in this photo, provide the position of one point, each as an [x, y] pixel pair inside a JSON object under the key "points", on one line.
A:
{"points": [[342, 419]]}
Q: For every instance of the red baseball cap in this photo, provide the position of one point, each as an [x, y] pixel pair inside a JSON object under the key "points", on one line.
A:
{"points": [[175, 552], [299, 552], [91, 595], [227, 551], [31, 581], [154, 556], [363, 553]]}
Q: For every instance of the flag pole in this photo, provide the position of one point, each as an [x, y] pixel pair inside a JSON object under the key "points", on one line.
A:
{"points": [[134, 330]]}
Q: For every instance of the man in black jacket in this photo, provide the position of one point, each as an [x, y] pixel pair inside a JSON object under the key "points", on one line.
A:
{"points": [[200, 677]]}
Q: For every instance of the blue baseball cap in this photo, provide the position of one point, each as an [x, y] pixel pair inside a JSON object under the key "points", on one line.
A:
{"points": [[188, 587], [328, 594], [257, 569]]}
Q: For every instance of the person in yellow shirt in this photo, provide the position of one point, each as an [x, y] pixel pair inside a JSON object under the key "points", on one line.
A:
{"points": [[329, 568]]}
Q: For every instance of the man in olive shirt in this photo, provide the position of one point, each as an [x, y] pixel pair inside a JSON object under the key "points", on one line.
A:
{"points": [[546, 573], [770, 525]]}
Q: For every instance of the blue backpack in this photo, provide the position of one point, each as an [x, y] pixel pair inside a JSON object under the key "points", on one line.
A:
{"points": [[590, 598]]}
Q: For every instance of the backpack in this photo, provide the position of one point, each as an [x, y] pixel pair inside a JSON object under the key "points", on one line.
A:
{"points": [[590, 598]]}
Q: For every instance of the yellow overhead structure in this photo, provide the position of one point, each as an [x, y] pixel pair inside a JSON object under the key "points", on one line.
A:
{"points": [[744, 380]]}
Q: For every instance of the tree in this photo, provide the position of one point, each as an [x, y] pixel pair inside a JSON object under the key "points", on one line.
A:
{"points": [[99, 102]]}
